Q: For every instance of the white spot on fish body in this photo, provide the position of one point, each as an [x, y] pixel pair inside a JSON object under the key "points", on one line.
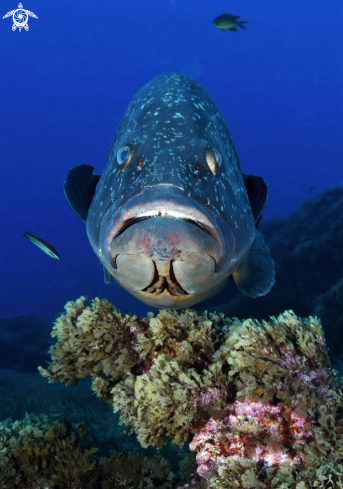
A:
{"points": [[177, 115]]}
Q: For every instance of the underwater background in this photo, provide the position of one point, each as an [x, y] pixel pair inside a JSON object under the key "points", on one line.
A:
{"points": [[64, 86], [66, 83]]}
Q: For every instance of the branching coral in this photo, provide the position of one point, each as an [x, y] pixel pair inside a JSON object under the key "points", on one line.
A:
{"points": [[130, 471], [257, 401], [35, 455]]}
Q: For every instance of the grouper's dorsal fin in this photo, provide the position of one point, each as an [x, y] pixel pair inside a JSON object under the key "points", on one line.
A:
{"points": [[257, 191], [79, 189], [255, 275]]}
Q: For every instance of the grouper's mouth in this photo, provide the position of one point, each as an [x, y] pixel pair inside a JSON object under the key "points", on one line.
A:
{"points": [[160, 246], [170, 213]]}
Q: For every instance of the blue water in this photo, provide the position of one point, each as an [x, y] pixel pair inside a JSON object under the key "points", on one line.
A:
{"points": [[65, 84]]}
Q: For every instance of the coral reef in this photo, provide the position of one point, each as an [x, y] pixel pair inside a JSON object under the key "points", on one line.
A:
{"points": [[258, 402], [31, 393], [35, 455], [307, 249], [329, 307]]}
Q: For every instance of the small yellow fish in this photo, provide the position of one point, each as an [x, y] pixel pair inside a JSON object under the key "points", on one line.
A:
{"points": [[42, 245], [228, 22]]}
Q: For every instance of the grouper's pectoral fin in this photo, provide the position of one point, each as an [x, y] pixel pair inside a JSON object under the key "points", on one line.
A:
{"points": [[79, 189], [255, 275], [107, 277], [257, 191]]}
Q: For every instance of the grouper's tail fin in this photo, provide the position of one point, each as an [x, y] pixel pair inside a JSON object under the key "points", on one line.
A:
{"points": [[255, 275]]}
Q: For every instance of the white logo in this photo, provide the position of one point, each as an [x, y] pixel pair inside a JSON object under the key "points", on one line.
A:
{"points": [[20, 18]]}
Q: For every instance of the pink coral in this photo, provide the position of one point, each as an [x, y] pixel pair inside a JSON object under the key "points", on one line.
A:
{"points": [[252, 429]]}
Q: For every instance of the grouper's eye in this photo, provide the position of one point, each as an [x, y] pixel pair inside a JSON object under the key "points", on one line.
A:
{"points": [[213, 159], [124, 156]]}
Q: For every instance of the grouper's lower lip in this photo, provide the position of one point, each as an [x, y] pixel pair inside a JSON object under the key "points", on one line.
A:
{"points": [[174, 214], [153, 202]]}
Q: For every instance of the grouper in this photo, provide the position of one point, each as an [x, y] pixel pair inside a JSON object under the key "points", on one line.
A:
{"points": [[172, 217]]}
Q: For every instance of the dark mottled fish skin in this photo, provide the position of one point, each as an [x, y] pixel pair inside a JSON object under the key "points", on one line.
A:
{"points": [[42, 245], [171, 125], [171, 120]]}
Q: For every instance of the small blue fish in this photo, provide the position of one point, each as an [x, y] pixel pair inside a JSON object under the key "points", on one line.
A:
{"points": [[42, 245]]}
